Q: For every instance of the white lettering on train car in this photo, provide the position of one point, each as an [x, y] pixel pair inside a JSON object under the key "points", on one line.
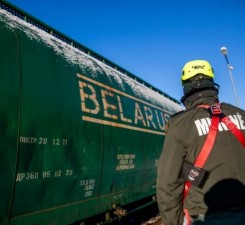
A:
{"points": [[125, 162], [88, 187]]}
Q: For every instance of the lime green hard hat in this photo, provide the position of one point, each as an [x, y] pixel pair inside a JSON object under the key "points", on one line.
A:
{"points": [[195, 67]]}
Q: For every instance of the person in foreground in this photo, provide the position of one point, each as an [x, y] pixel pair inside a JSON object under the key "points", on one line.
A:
{"points": [[201, 171]]}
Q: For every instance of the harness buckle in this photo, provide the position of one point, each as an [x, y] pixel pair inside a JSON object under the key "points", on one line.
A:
{"points": [[215, 109]]}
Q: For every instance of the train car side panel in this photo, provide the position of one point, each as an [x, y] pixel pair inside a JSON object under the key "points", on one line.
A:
{"points": [[9, 101], [79, 135]]}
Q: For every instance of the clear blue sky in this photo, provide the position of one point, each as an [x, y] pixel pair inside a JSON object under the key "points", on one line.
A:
{"points": [[153, 39]]}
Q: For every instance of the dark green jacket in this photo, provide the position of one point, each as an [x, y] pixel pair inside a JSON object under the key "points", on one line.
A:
{"points": [[224, 187]]}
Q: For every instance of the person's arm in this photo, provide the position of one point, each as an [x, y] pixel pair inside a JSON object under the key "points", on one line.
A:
{"points": [[169, 184]]}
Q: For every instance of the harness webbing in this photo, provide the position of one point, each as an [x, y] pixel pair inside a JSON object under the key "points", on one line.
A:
{"points": [[217, 116], [233, 128]]}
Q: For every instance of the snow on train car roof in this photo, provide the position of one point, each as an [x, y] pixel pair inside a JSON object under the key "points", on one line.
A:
{"points": [[75, 56]]}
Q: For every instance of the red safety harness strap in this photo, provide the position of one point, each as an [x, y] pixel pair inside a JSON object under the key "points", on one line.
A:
{"points": [[233, 128], [209, 143], [202, 157]]}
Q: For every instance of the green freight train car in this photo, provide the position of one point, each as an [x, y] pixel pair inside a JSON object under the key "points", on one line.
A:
{"points": [[79, 134]]}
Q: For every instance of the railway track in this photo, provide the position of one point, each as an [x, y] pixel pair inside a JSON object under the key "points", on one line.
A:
{"points": [[146, 216]]}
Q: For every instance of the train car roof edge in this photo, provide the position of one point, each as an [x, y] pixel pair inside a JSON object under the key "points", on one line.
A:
{"points": [[14, 10]]}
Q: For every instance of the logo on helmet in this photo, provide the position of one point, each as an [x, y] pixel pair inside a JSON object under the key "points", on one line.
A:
{"points": [[198, 67]]}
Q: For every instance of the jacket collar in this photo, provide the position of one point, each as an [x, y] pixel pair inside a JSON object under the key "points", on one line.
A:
{"points": [[206, 97]]}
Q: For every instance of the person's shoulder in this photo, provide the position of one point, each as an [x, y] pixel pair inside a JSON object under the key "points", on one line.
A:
{"points": [[173, 119], [182, 113], [180, 117], [227, 106], [175, 115]]}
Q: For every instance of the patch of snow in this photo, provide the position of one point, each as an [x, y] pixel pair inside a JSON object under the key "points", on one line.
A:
{"points": [[74, 56]]}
